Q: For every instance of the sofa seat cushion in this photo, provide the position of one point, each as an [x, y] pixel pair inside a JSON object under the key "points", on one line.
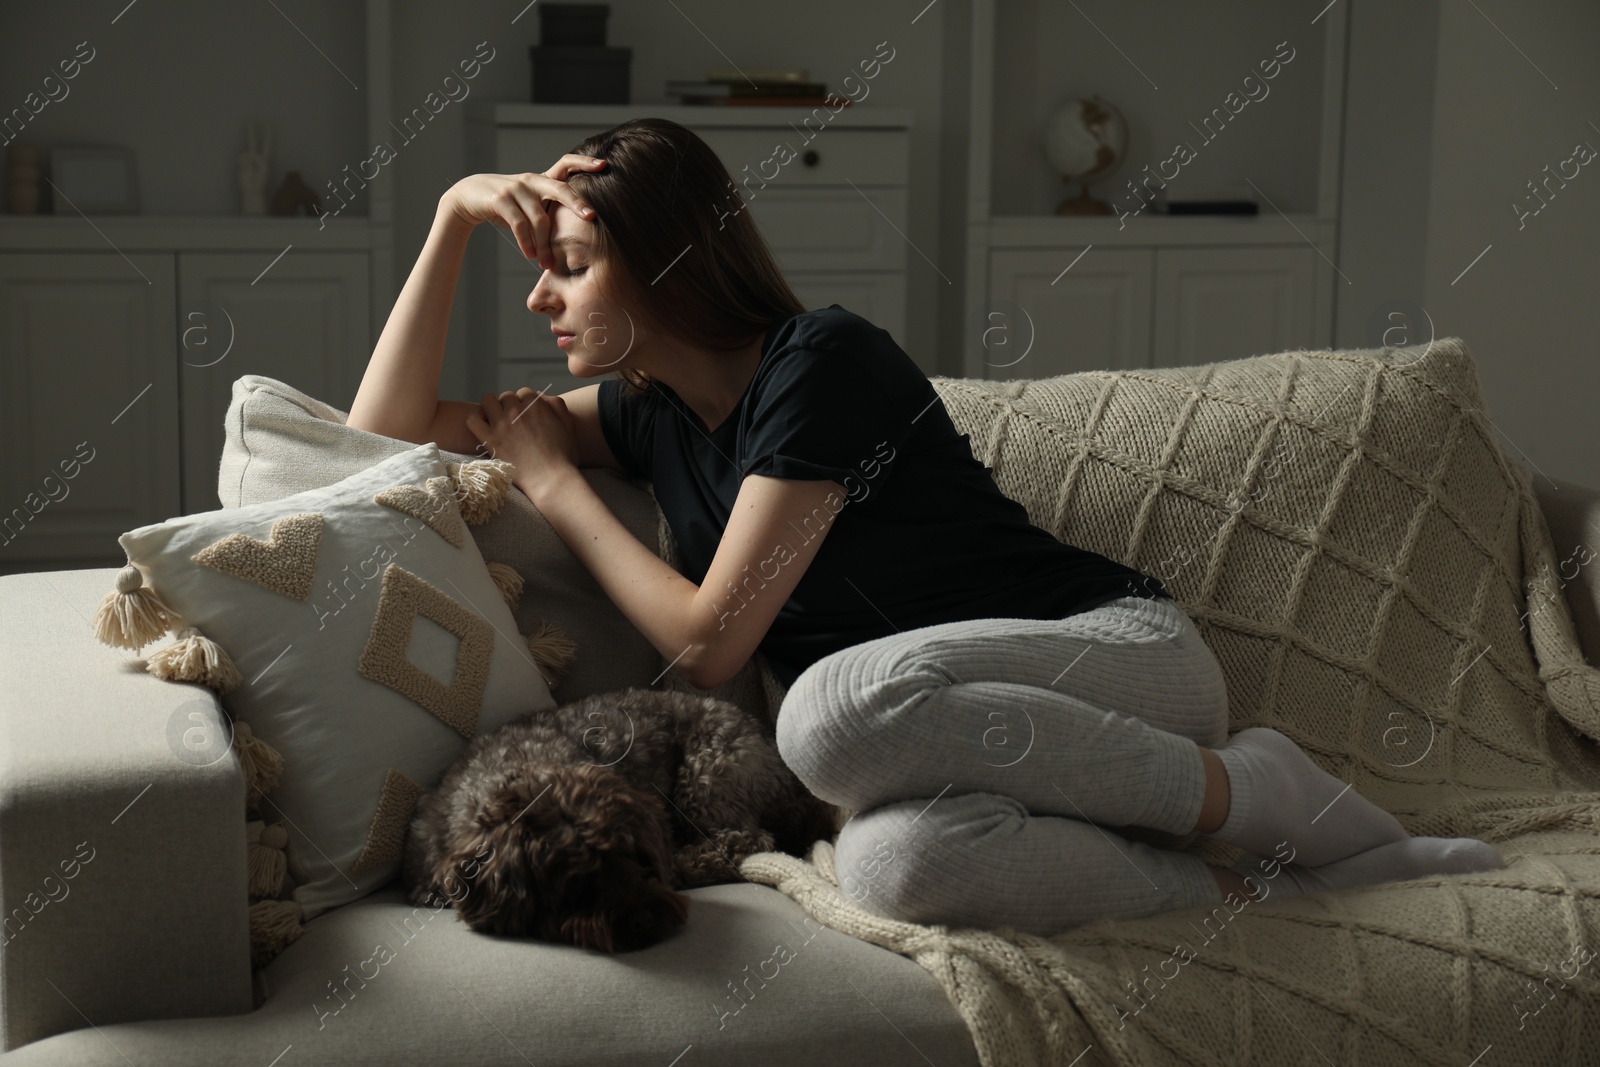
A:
{"points": [[749, 979], [101, 802]]}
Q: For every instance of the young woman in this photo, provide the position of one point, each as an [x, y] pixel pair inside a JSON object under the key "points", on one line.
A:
{"points": [[1004, 713]]}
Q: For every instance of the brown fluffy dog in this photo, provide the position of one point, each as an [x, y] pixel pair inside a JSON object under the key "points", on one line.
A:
{"points": [[579, 824]]}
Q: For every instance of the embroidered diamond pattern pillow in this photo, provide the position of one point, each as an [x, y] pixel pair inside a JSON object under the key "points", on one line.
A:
{"points": [[371, 644]]}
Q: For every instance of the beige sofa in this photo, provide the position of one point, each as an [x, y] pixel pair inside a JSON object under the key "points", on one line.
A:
{"points": [[140, 955]]}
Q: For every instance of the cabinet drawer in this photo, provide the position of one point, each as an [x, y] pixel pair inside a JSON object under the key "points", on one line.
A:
{"points": [[751, 155], [865, 157], [529, 148], [833, 229]]}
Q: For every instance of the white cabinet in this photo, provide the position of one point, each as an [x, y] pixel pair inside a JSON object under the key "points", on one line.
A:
{"points": [[119, 368], [88, 403], [304, 323], [1228, 303], [834, 216], [1051, 315], [1061, 311], [817, 232], [121, 335]]}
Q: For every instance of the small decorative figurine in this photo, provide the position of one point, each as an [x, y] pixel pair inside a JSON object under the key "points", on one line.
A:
{"points": [[252, 172], [294, 194]]}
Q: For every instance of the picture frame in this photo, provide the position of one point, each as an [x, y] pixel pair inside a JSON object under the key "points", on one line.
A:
{"points": [[94, 180]]}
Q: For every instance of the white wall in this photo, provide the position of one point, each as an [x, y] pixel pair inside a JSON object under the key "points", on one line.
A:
{"points": [[1448, 117], [176, 81], [1387, 160], [1528, 307]]}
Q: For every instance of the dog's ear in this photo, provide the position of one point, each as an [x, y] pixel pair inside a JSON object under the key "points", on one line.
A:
{"points": [[462, 869], [488, 875], [588, 930], [512, 800], [630, 921], [629, 821], [509, 867]]}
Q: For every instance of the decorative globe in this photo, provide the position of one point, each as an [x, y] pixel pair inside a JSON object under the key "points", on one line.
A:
{"points": [[1085, 140]]}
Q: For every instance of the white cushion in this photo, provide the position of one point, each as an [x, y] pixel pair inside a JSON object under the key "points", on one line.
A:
{"points": [[367, 705], [280, 441]]}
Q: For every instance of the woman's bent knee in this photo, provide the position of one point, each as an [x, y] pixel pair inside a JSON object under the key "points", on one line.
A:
{"points": [[808, 727], [903, 860], [833, 729]]}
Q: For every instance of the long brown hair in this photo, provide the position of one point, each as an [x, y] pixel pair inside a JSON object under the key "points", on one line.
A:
{"points": [[677, 238]]}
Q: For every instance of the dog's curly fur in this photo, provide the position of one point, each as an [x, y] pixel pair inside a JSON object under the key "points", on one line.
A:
{"points": [[579, 824]]}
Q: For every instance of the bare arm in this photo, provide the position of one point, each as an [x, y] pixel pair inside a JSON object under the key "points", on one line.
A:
{"points": [[707, 630], [399, 393]]}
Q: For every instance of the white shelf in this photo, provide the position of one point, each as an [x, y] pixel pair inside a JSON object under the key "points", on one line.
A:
{"points": [[1042, 231], [56, 233], [598, 117]]}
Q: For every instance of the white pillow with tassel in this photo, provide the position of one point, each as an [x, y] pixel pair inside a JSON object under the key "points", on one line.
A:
{"points": [[358, 641]]}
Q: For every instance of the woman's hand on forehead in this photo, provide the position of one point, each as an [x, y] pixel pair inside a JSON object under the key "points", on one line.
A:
{"points": [[521, 203]]}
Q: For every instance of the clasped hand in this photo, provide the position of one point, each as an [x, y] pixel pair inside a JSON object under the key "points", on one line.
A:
{"points": [[530, 430]]}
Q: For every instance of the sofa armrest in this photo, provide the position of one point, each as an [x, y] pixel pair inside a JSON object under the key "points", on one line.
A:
{"points": [[123, 892], [1572, 512]]}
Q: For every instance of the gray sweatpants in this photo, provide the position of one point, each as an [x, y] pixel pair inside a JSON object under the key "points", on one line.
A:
{"points": [[996, 766]]}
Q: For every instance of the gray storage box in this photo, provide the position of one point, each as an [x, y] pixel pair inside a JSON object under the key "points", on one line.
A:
{"points": [[570, 74]]}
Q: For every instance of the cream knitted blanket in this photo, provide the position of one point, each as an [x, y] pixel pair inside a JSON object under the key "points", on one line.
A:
{"points": [[1378, 582]]}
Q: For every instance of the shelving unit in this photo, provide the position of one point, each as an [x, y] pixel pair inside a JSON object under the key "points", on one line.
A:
{"points": [[1050, 295], [138, 309]]}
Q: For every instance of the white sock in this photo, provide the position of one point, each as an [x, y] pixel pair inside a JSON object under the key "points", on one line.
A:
{"points": [[1279, 795], [1399, 861]]}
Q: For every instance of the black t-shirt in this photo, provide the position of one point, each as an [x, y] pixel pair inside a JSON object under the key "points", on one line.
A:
{"points": [[921, 534]]}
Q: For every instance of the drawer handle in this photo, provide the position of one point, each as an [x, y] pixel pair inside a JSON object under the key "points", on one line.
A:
{"points": [[811, 158]]}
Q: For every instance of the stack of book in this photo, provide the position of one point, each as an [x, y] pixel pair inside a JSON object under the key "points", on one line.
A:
{"points": [[784, 87]]}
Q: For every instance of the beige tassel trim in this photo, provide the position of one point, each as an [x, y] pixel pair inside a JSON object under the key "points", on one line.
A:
{"points": [[274, 925], [481, 486], [508, 581], [196, 658], [261, 762], [134, 615], [553, 652], [267, 863]]}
